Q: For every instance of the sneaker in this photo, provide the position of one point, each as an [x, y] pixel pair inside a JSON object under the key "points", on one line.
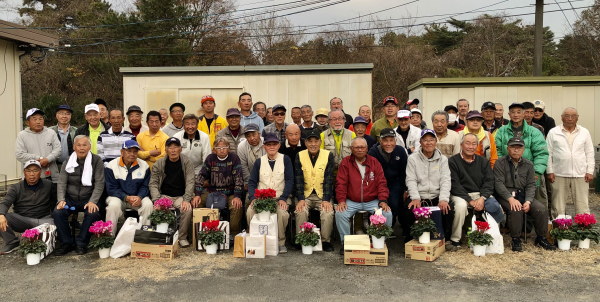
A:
{"points": [[452, 246], [516, 245], [282, 249], [543, 243], [81, 250], [184, 243], [327, 247], [63, 250], [9, 248]]}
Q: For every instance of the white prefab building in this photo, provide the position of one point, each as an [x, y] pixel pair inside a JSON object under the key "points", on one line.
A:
{"points": [[557, 93], [153, 88]]}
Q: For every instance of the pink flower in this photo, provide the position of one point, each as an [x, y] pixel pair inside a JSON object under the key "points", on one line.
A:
{"points": [[101, 228], [563, 223], [585, 220], [307, 227], [422, 213], [163, 204], [377, 219], [31, 233]]}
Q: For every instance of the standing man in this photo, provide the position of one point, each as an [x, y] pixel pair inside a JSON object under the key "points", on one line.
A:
{"points": [[103, 106], [210, 123], [314, 186], [486, 145], [134, 118], [359, 127], [407, 135], [453, 119], [570, 163], [390, 111], [93, 127], [307, 124], [65, 132], [277, 127], [247, 116], [110, 142], [541, 118], [127, 180], [261, 109], [365, 112], [322, 118], [164, 116], [528, 116], [173, 177], [500, 114], [416, 118], [463, 109], [250, 150], [337, 139], [296, 115], [448, 141], [232, 133], [36, 142], [195, 144], [293, 143], [488, 111], [152, 141], [337, 104], [177, 111]]}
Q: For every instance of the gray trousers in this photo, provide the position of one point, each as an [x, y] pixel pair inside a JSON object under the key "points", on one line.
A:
{"points": [[20, 223], [537, 211]]}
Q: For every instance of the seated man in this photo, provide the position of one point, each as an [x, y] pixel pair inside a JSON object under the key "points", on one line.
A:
{"points": [[472, 185], [127, 182], [515, 188], [80, 186], [361, 186], [173, 177], [314, 185], [32, 200], [273, 171], [222, 173]]}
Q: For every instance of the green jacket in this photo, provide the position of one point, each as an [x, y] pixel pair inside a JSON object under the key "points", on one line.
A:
{"points": [[536, 149]]}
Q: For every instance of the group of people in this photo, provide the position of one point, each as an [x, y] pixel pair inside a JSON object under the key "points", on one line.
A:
{"points": [[468, 161]]}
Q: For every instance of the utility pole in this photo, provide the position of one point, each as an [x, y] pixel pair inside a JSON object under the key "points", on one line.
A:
{"points": [[539, 38]]}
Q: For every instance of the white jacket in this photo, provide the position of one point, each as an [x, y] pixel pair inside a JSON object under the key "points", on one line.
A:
{"points": [[412, 140], [197, 149], [564, 161]]}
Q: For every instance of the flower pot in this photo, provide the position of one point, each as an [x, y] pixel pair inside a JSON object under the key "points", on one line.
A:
{"points": [[211, 249], [33, 259], [307, 249], [425, 238], [564, 244], [479, 250], [378, 243], [104, 253], [162, 227], [264, 216], [584, 244]]}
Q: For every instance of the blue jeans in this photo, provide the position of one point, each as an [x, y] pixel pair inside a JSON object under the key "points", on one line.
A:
{"points": [[61, 220], [342, 219], [493, 207]]}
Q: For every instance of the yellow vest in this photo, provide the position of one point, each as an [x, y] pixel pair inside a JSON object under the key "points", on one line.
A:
{"points": [[313, 176]]}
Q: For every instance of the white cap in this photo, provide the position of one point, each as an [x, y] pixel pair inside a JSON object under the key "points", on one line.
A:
{"points": [[32, 162], [90, 107], [33, 111], [403, 114], [539, 104], [415, 110]]}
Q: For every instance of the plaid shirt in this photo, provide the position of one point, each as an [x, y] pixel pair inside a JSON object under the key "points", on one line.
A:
{"points": [[327, 182]]}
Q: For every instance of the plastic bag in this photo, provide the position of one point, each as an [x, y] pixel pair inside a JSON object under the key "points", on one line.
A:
{"points": [[122, 244], [497, 246]]}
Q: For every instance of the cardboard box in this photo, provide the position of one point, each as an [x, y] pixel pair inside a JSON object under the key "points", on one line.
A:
{"points": [[200, 215], [256, 246], [272, 245], [156, 238], [153, 251], [258, 227], [424, 252], [223, 226], [358, 251]]}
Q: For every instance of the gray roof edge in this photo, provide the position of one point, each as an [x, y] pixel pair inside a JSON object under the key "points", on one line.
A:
{"points": [[247, 68], [503, 80]]}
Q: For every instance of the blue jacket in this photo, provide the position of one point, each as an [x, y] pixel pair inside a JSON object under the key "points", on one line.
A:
{"points": [[121, 182], [395, 169]]}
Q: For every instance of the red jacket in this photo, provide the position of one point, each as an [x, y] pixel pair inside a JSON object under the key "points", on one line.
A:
{"points": [[350, 186]]}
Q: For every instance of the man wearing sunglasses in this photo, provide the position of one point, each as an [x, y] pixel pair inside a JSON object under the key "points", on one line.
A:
{"points": [[279, 125], [541, 118]]}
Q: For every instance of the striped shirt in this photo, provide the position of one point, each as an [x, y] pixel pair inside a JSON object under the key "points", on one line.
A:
{"points": [[110, 143]]}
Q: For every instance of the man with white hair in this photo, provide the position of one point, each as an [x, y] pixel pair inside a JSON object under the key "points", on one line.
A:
{"points": [[407, 135], [337, 104], [337, 139], [463, 109]]}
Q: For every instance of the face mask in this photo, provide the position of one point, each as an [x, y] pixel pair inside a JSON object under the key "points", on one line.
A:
{"points": [[452, 118]]}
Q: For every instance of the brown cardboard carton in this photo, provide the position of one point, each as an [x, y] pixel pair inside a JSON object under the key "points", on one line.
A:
{"points": [[153, 251], [424, 252], [358, 251]]}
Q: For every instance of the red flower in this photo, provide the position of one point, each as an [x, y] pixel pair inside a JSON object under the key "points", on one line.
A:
{"points": [[211, 225], [482, 226], [265, 193], [585, 220]]}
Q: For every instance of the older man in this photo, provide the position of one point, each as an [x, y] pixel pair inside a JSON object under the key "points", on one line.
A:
{"points": [[528, 113], [416, 118], [307, 124], [360, 186], [463, 109], [164, 116], [39, 143], [173, 177], [152, 141], [428, 182], [515, 189], [488, 112], [210, 122], [176, 110], [127, 180], [64, 131], [337, 139], [541, 118], [365, 113], [134, 118], [250, 150], [80, 186], [570, 163], [337, 104], [359, 127], [407, 135], [93, 126], [499, 115], [296, 115], [103, 106], [261, 109], [472, 186], [322, 118], [453, 123], [279, 125], [232, 133], [273, 171], [110, 141], [314, 185], [32, 200], [247, 115], [486, 145], [293, 143], [195, 143], [448, 141], [390, 111]]}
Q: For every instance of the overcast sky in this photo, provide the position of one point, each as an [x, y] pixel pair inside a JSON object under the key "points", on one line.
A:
{"points": [[419, 11]]}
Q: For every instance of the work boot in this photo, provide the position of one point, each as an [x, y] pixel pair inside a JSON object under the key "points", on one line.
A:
{"points": [[516, 245], [64, 249], [9, 248], [541, 241], [327, 247]]}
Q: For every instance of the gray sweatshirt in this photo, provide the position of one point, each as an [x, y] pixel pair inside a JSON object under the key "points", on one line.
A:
{"points": [[30, 201], [428, 178], [33, 145]]}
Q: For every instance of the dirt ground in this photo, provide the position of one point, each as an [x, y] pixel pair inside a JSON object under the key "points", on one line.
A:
{"points": [[534, 275]]}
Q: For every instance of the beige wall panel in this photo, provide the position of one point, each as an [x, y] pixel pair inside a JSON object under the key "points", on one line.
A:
{"points": [[596, 127], [225, 98], [159, 98], [11, 113], [584, 105], [190, 98]]}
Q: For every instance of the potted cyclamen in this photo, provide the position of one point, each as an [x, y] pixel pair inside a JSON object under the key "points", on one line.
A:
{"points": [[307, 238], [586, 230], [479, 239], [423, 226], [32, 246], [211, 236], [265, 203], [378, 230], [162, 215], [102, 238], [562, 230]]}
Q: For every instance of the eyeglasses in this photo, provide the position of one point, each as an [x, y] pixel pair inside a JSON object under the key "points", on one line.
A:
{"points": [[539, 110], [337, 119], [279, 113], [32, 170], [570, 116], [359, 147], [221, 148]]}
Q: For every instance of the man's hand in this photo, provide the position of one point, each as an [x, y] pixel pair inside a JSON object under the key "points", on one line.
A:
{"points": [[91, 207], [588, 177], [415, 203], [236, 202], [283, 205], [61, 205], [515, 205], [154, 152], [300, 206], [196, 201], [444, 206], [384, 206], [186, 206], [134, 201], [3, 223], [527, 206], [477, 204], [342, 206], [551, 177], [44, 162], [326, 206]]}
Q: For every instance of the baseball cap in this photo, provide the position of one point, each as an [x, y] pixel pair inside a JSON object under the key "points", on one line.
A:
{"points": [[64, 107], [233, 112], [91, 107], [428, 131], [130, 144], [173, 140], [513, 105], [279, 107], [322, 111], [474, 114], [270, 138], [403, 114], [134, 108], [207, 98], [516, 141], [450, 107], [415, 110], [33, 111], [388, 99], [180, 105], [313, 133], [539, 104], [101, 102], [412, 102], [360, 119], [487, 105], [252, 127], [387, 132], [32, 162]]}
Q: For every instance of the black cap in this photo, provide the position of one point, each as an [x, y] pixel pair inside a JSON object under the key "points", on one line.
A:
{"points": [[182, 106], [313, 133], [515, 105], [252, 127], [173, 140], [134, 108], [487, 105], [387, 132], [450, 107], [279, 107], [101, 102], [64, 107], [516, 141]]}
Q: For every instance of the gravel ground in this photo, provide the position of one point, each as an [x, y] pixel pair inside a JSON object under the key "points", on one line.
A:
{"points": [[296, 277]]}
